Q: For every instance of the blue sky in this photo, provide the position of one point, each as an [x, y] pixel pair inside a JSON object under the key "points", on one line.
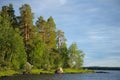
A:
{"points": [[93, 24]]}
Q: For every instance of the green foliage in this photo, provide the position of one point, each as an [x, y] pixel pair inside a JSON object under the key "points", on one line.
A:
{"points": [[60, 39], [12, 54], [62, 48], [8, 11], [64, 56], [27, 29], [51, 33], [47, 30], [37, 53], [75, 56]]}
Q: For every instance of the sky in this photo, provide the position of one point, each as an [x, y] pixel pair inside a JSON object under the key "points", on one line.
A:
{"points": [[93, 24]]}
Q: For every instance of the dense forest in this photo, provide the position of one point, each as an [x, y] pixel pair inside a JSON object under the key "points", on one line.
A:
{"points": [[37, 43]]}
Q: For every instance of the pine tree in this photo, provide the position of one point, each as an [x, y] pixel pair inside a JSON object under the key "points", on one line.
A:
{"points": [[51, 33], [11, 13], [51, 40], [41, 25], [48, 37], [42, 31], [27, 28]]}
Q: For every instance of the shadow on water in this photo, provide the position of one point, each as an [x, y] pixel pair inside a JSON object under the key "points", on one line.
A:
{"points": [[33, 77]]}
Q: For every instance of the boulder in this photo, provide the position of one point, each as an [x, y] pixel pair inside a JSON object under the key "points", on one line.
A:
{"points": [[59, 71]]}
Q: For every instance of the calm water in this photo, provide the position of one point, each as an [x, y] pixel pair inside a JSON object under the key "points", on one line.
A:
{"points": [[112, 75]]}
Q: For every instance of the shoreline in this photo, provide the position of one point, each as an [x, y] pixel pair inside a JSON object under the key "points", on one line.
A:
{"points": [[40, 71]]}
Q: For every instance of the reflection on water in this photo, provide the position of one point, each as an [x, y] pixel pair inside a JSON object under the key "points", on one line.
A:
{"points": [[111, 75]]}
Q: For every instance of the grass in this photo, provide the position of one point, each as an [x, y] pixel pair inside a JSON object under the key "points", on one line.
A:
{"points": [[69, 70], [8, 72]]}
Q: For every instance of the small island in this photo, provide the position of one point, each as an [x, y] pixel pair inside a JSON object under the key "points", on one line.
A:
{"points": [[28, 47]]}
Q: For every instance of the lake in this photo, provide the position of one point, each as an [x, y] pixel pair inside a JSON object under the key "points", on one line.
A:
{"points": [[111, 75]]}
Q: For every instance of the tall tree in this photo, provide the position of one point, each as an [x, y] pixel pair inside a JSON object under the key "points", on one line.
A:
{"points": [[51, 40], [62, 48], [11, 13], [42, 25], [26, 22], [27, 28], [37, 51], [12, 55], [47, 29], [42, 31], [75, 56], [4, 12], [51, 33]]}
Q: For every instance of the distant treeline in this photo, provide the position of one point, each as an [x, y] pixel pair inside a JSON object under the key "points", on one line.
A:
{"points": [[102, 68]]}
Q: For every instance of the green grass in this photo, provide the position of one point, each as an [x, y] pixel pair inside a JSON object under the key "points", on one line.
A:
{"points": [[8, 72], [69, 70]]}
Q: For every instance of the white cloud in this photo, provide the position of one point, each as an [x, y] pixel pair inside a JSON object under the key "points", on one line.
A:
{"points": [[63, 1], [48, 3], [92, 9]]}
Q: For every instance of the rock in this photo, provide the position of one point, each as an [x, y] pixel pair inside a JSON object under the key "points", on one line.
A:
{"points": [[59, 71], [24, 72]]}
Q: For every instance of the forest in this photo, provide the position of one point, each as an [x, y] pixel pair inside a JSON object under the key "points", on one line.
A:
{"points": [[38, 43]]}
